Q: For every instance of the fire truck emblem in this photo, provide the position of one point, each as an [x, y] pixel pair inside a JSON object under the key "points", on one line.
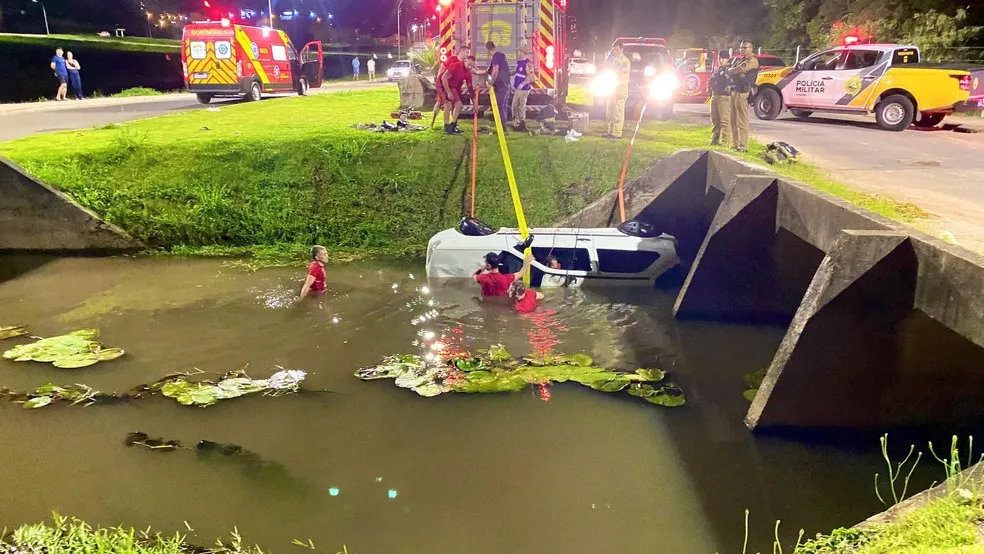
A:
{"points": [[692, 83], [853, 85], [254, 49]]}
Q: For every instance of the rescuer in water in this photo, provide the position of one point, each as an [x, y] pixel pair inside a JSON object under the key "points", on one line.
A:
{"points": [[720, 87], [524, 299], [615, 114], [314, 281], [743, 75], [491, 276]]}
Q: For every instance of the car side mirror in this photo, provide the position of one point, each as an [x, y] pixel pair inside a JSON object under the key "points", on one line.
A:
{"points": [[798, 66]]}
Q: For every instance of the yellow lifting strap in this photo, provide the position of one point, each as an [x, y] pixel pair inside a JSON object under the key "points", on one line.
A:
{"points": [[511, 177]]}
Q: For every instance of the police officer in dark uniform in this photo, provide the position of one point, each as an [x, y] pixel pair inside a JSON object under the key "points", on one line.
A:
{"points": [[743, 75], [720, 89]]}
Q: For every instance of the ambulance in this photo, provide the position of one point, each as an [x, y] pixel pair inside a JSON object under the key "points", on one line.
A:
{"points": [[224, 59], [537, 26]]}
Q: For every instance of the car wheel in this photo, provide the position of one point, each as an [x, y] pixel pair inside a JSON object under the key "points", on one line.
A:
{"points": [[302, 86], [801, 113], [254, 92], [768, 104], [204, 98], [927, 120], [895, 113]]}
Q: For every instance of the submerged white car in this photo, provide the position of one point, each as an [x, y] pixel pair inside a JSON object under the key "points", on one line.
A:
{"points": [[633, 253]]}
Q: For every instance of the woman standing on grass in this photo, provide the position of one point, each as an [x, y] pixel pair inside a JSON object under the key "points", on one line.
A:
{"points": [[73, 75]]}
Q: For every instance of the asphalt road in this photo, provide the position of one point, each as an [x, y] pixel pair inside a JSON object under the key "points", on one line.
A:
{"points": [[939, 170], [23, 120]]}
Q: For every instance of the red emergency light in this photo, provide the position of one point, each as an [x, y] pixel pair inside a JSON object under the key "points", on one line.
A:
{"points": [[851, 39], [562, 4], [444, 3]]}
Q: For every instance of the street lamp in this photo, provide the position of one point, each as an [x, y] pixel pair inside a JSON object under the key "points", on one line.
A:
{"points": [[399, 31], [45, 13]]}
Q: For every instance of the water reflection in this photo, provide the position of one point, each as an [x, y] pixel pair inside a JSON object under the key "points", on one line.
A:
{"points": [[463, 473]]}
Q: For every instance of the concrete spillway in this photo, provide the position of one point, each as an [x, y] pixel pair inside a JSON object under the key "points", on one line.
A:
{"points": [[886, 325], [36, 217]]}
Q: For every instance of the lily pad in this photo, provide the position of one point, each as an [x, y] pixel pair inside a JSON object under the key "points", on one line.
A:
{"points": [[498, 353], [750, 394], [74, 350], [207, 393], [652, 375], [491, 373], [12, 331], [38, 402]]}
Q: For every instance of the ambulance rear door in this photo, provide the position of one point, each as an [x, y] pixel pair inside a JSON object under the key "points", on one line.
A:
{"points": [[312, 60]]}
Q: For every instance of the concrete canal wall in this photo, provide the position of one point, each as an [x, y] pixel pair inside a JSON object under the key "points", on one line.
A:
{"points": [[886, 325], [34, 216]]}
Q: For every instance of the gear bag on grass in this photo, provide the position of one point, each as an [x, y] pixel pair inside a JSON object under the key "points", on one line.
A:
{"points": [[780, 152]]}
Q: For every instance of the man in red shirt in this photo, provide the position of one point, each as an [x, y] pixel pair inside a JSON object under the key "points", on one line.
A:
{"points": [[441, 92], [493, 281], [457, 74], [315, 280]]}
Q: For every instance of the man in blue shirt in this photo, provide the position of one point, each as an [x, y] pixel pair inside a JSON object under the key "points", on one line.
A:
{"points": [[522, 84], [499, 76], [355, 68], [61, 73]]}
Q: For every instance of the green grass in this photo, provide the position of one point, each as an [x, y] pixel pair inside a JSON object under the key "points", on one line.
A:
{"points": [[64, 535], [136, 91], [294, 171], [945, 526], [69, 42]]}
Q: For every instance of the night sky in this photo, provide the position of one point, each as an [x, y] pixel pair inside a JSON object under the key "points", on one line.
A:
{"points": [[598, 20]]}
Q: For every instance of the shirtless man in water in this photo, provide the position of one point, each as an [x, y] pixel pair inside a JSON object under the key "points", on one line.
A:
{"points": [[314, 282]]}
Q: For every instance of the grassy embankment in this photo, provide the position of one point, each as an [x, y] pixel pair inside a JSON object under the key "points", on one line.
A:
{"points": [[82, 42], [294, 171]]}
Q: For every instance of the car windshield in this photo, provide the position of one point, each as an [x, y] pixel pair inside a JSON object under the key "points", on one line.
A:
{"points": [[402, 64], [643, 56]]}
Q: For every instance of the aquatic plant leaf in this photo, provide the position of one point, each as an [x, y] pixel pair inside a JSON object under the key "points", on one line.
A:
{"points": [[754, 379], [12, 331], [205, 396], [49, 389], [468, 365], [109, 354], [642, 390], [75, 362], [614, 384], [74, 350], [652, 375], [176, 388], [582, 360], [428, 389], [38, 402], [750, 394], [668, 397], [498, 353]]}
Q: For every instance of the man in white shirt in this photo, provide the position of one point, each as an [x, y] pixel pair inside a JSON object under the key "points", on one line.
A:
{"points": [[371, 66]]}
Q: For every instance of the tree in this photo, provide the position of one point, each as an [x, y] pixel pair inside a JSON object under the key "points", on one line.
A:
{"points": [[940, 36]]}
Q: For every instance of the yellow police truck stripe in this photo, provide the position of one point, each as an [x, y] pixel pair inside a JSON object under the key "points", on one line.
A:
{"points": [[247, 47]]}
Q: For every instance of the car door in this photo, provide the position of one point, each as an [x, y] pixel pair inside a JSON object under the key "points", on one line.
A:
{"points": [[857, 73], [811, 85], [312, 63]]}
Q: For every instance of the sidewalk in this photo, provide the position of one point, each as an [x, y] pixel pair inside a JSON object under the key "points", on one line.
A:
{"points": [[52, 106]]}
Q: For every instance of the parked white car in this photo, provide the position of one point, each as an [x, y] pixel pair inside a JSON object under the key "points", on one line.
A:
{"points": [[401, 70], [581, 67]]}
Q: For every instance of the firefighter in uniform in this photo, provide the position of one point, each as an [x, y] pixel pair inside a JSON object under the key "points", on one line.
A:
{"points": [[743, 75], [720, 86], [615, 115]]}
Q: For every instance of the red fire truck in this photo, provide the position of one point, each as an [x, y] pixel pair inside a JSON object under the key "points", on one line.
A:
{"points": [[539, 26], [223, 59]]}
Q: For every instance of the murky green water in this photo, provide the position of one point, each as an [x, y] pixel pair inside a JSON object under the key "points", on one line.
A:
{"points": [[582, 472]]}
